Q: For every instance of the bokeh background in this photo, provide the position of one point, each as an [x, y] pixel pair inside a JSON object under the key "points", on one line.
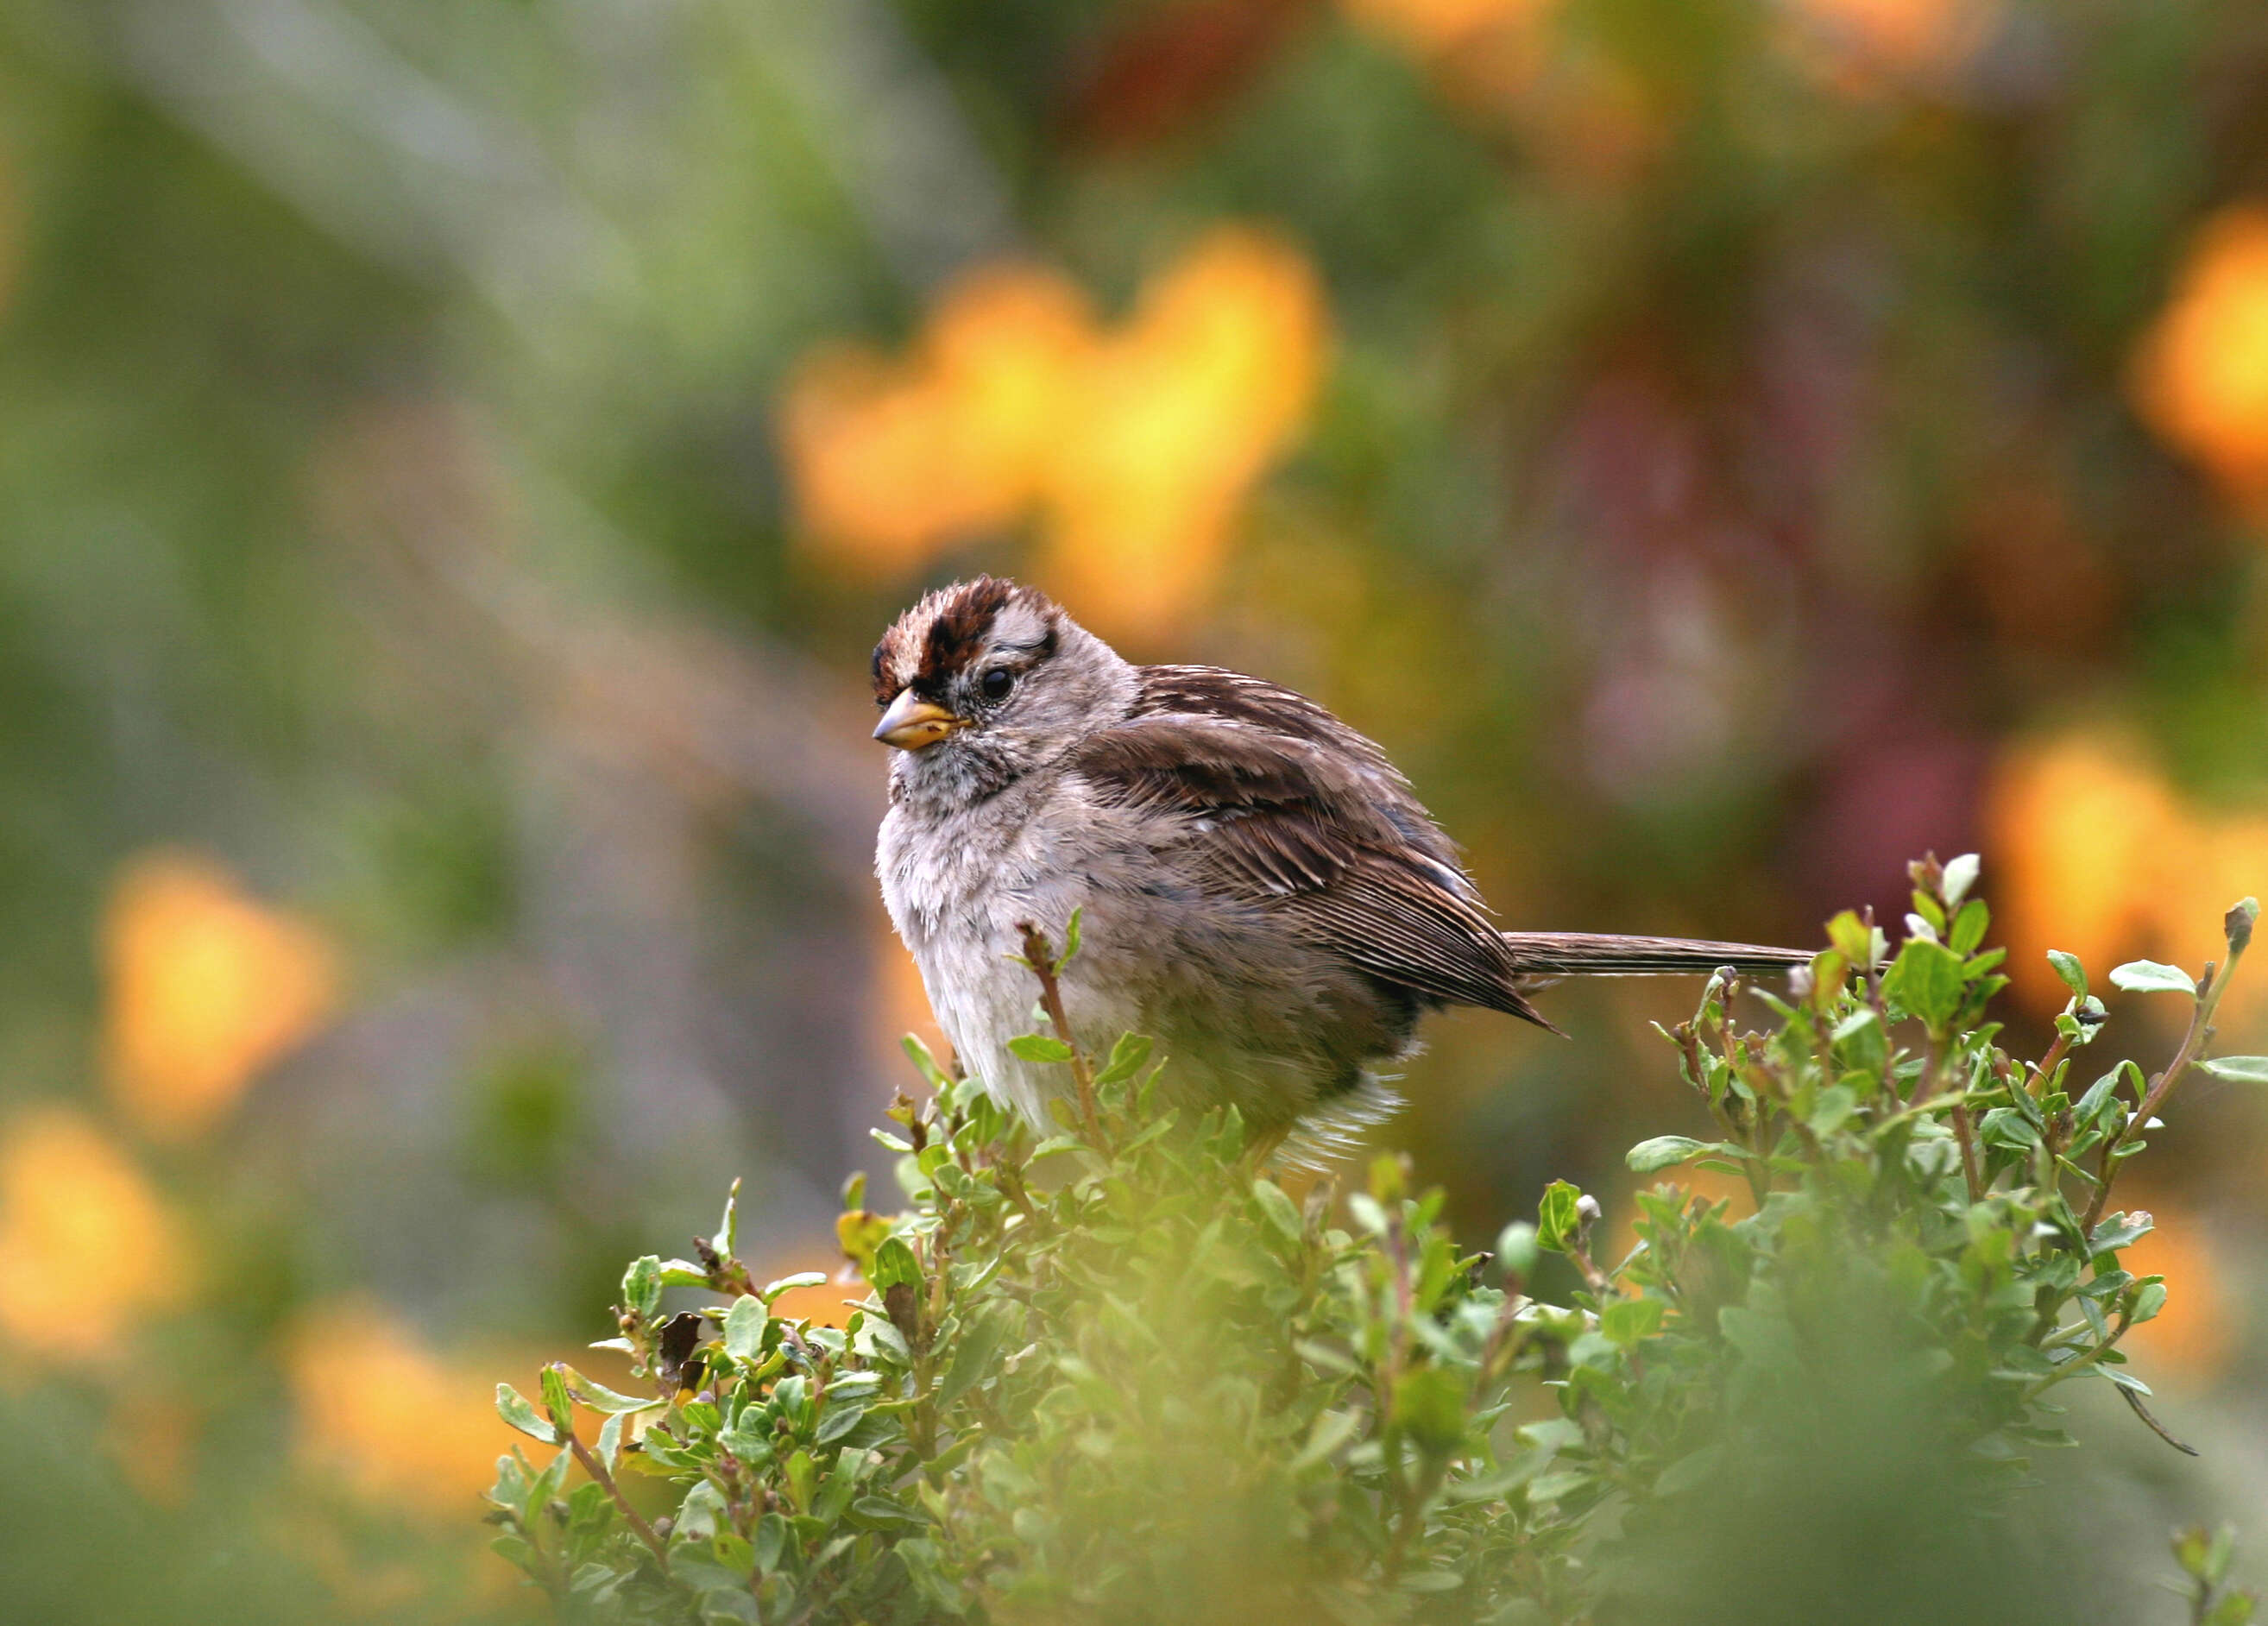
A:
{"points": [[455, 459]]}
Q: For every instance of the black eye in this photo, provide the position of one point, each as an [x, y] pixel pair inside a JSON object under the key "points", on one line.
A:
{"points": [[995, 684]]}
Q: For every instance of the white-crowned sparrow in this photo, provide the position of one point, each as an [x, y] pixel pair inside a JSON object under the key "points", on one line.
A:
{"points": [[1261, 892]]}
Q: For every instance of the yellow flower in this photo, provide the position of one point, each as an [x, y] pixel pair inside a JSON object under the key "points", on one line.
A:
{"points": [[2196, 1333], [1182, 412], [1435, 28], [2201, 375], [891, 462], [205, 988], [2093, 852], [1135, 448], [86, 1247], [380, 1413]]}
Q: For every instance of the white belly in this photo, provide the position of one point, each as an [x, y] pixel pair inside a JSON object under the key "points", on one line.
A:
{"points": [[960, 907]]}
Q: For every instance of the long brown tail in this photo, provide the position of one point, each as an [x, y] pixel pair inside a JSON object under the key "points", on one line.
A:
{"points": [[1592, 954]]}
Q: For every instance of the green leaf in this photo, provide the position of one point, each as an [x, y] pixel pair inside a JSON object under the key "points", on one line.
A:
{"points": [[1070, 939], [1429, 1406], [1967, 929], [1668, 1151], [2067, 966], [1926, 978], [1040, 1048], [1626, 1320], [919, 1054], [839, 1419], [789, 1284], [2120, 1231], [744, 1327], [2237, 1069], [1852, 940], [2147, 977], [610, 1441], [1832, 1110], [513, 1407], [1557, 1220], [771, 1541], [642, 1287], [1282, 1215], [1126, 1058], [973, 1359], [562, 1409], [1863, 1044], [894, 1266]]}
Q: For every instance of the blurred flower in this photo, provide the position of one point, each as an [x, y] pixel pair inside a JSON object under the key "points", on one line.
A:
{"points": [[1861, 46], [1180, 415], [1430, 28], [206, 987], [1584, 114], [382, 1415], [86, 1248], [891, 462], [1136, 448], [2201, 374], [2093, 852], [2195, 1335]]}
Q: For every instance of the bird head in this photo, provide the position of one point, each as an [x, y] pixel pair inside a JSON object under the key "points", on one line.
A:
{"points": [[983, 681]]}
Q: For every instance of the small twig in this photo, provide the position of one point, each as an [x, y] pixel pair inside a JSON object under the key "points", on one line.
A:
{"points": [[2151, 1422], [597, 1470], [2049, 1063], [1040, 958], [2210, 989], [1963, 1132]]}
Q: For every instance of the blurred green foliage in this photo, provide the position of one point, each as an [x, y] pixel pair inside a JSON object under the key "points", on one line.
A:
{"points": [[1116, 1374]]}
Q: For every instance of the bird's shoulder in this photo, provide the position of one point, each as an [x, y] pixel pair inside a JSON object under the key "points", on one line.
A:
{"points": [[1205, 738], [1285, 790]]}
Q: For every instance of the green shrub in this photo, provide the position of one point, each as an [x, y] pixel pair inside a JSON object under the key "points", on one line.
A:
{"points": [[1116, 1374]]}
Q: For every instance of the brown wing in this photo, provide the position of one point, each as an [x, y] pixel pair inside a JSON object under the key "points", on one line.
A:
{"points": [[1293, 810]]}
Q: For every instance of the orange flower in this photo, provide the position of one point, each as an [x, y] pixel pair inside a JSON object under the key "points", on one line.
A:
{"points": [[205, 988], [2194, 1336], [86, 1247], [2071, 825], [2093, 852], [1899, 35], [1135, 448], [891, 462], [1182, 412], [2201, 375], [381, 1414], [1435, 28]]}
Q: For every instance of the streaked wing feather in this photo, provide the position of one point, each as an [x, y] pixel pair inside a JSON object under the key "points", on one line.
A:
{"points": [[1298, 811]]}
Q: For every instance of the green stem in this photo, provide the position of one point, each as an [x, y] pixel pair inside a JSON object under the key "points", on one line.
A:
{"points": [[2210, 989]]}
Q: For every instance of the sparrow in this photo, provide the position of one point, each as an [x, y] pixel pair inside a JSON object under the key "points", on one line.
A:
{"points": [[1259, 890]]}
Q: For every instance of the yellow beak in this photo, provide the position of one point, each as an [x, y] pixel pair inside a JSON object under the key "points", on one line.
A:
{"points": [[912, 723]]}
